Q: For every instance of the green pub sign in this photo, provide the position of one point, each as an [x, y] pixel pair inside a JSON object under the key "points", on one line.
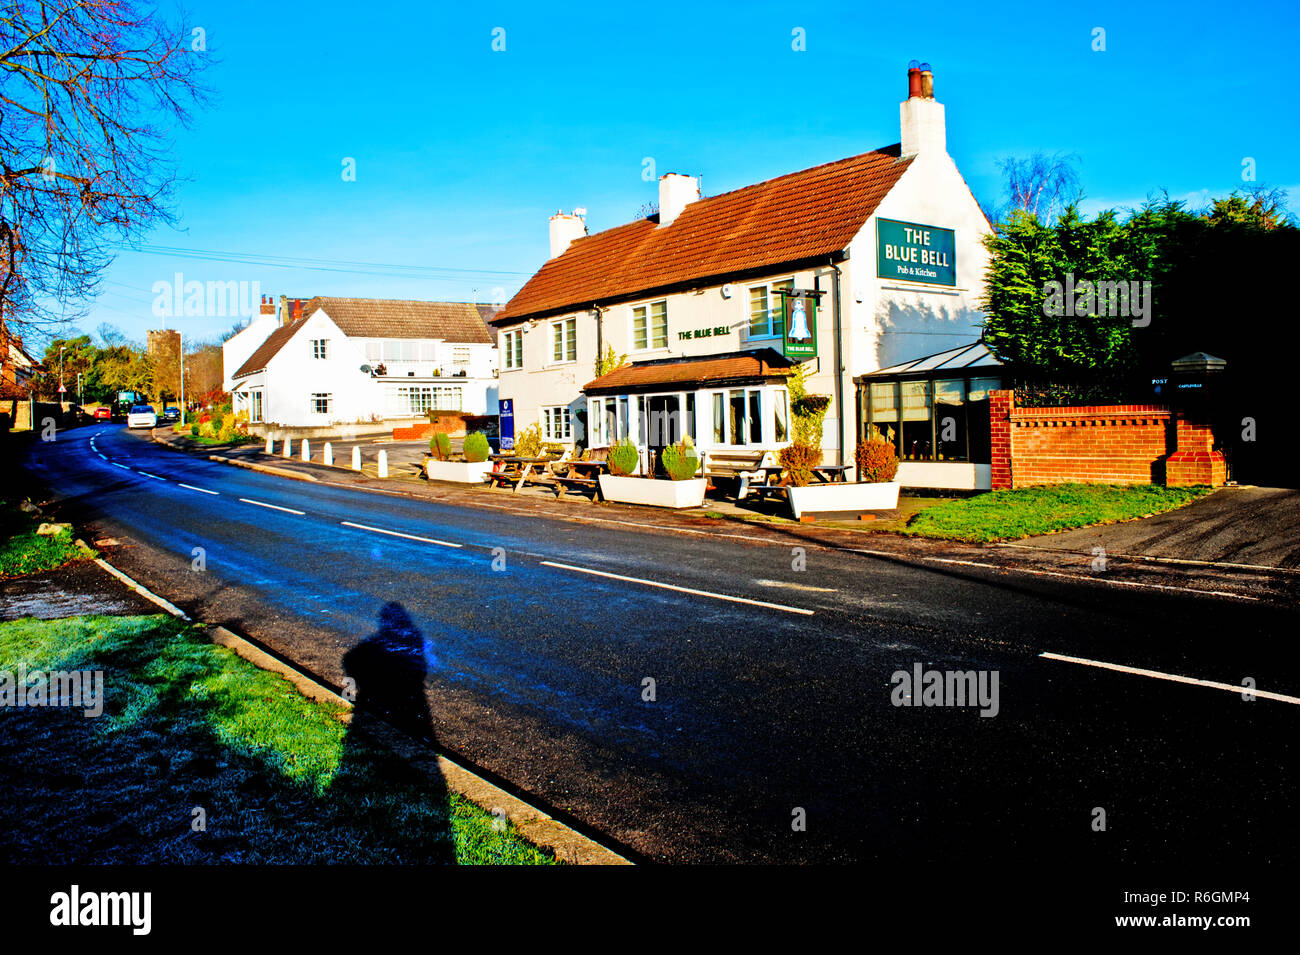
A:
{"points": [[916, 253], [799, 311]]}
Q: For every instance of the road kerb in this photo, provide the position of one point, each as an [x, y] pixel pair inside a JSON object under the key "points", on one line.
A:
{"points": [[536, 826]]}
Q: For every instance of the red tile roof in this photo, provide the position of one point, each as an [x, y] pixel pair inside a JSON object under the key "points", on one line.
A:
{"points": [[763, 364], [794, 217]]}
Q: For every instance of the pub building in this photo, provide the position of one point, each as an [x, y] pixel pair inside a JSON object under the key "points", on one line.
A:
{"points": [[867, 263]]}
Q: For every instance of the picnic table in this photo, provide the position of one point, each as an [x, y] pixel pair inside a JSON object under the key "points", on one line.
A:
{"points": [[521, 471], [771, 477], [581, 475]]}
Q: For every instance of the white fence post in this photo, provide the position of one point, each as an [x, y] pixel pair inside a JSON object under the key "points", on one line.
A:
{"points": [[270, 445], [329, 454], [383, 464], [306, 450], [356, 457], [288, 446]]}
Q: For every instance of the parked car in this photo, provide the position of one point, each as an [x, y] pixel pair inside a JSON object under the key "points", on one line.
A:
{"points": [[103, 413], [141, 416], [171, 414]]}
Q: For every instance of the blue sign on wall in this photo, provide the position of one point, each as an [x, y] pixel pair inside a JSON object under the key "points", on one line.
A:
{"points": [[506, 421]]}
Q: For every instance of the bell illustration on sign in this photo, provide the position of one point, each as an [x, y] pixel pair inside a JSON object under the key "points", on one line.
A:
{"points": [[799, 322]]}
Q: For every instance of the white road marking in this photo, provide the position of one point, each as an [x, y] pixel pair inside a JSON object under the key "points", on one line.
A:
{"points": [[274, 507], [1053, 573], [122, 466], [358, 487], [1158, 675], [201, 490], [380, 530], [104, 456], [793, 586], [154, 476], [684, 590]]}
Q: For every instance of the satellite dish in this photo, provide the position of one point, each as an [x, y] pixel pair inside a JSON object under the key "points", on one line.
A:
{"points": [[367, 370], [728, 291]]}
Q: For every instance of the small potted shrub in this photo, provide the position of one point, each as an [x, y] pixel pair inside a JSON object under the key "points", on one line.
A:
{"points": [[798, 460], [683, 489], [473, 470], [874, 490]]}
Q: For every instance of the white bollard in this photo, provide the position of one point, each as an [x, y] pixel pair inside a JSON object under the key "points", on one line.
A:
{"points": [[270, 445], [288, 447], [306, 450], [329, 454], [383, 464], [356, 457]]}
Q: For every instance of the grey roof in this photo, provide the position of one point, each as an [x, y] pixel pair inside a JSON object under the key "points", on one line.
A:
{"points": [[973, 357]]}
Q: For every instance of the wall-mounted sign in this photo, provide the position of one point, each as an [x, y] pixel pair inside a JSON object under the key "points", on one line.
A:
{"points": [[799, 310], [916, 253], [506, 423], [704, 332]]}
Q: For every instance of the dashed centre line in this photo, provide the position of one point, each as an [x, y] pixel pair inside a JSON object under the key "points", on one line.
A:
{"points": [[274, 507], [685, 590], [413, 537], [1172, 677], [201, 490], [148, 475]]}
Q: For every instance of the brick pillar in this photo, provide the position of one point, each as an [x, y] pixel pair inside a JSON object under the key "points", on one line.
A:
{"points": [[1195, 461], [1000, 405]]}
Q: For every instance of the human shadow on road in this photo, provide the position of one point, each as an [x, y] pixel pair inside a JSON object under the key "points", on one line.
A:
{"points": [[388, 670]]}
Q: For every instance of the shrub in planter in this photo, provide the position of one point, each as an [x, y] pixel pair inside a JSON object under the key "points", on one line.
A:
{"points": [[476, 447], [798, 460], [440, 446], [876, 459], [623, 458], [528, 443], [680, 460]]}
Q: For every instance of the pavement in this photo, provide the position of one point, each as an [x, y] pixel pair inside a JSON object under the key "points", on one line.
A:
{"points": [[685, 687], [1235, 526]]}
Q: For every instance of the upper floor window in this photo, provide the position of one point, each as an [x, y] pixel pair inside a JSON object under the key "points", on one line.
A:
{"points": [[320, 403], [765, 309], [650, 326], [460, 356], [564, 340], [320, 348], [512, 343]]}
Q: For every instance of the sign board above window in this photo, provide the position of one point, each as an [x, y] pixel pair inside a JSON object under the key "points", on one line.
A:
{"points": [[916, 253]]}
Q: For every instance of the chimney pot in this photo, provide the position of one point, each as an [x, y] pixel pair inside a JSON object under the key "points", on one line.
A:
{"points": [[565, 229], [676, 192]]}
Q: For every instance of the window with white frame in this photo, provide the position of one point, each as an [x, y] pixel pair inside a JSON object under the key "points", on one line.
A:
{"points": [[564, 340], [737, 418], [512, 343], [255, 406], [320, 403], [460, 356], [404, 400], [650, 326], [765, 308], [320, 348], [556, 425]]}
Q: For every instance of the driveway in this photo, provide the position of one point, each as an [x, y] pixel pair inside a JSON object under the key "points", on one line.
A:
{"points": [[1255, 526]]}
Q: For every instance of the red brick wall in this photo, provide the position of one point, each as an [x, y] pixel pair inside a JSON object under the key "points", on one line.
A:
{"points": [[1195, 461], [1000, 405], [1107, 444]]}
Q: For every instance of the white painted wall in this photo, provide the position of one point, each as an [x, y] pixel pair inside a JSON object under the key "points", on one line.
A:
{"points": [[239, 347]]}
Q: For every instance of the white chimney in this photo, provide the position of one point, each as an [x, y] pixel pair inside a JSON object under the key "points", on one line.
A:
{"points": [[676, 192], [564, 229], [921, 116]]}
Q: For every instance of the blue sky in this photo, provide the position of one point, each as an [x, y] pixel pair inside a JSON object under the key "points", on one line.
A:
{"points": [[461, 153]]}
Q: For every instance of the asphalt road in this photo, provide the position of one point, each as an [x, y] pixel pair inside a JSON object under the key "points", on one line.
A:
{"points": [[772, 680]]}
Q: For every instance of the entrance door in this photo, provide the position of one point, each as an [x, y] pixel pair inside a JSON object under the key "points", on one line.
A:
{"points": [[664, 425]]}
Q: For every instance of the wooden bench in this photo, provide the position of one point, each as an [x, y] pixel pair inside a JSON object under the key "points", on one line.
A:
{"points": [[744, 467]]}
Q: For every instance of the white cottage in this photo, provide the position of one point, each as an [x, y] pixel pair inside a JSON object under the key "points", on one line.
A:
{"points": [[845, 268], [337, 361]]}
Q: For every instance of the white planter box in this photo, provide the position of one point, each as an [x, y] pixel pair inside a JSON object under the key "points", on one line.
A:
{"points": [[663, 493], [461, 472], [827, 498]]}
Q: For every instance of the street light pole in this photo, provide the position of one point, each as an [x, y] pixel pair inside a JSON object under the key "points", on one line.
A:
{"points": [[182, 354]]}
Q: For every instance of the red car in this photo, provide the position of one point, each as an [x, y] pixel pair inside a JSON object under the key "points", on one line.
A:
{"points": [[103, 413]]}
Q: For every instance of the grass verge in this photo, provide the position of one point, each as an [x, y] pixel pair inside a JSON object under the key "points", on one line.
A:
{"points": [[1024, 512], [189, 726], [23, 551]]}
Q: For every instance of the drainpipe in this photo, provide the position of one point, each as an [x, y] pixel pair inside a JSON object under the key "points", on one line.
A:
{"points": [[839, 369]]}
